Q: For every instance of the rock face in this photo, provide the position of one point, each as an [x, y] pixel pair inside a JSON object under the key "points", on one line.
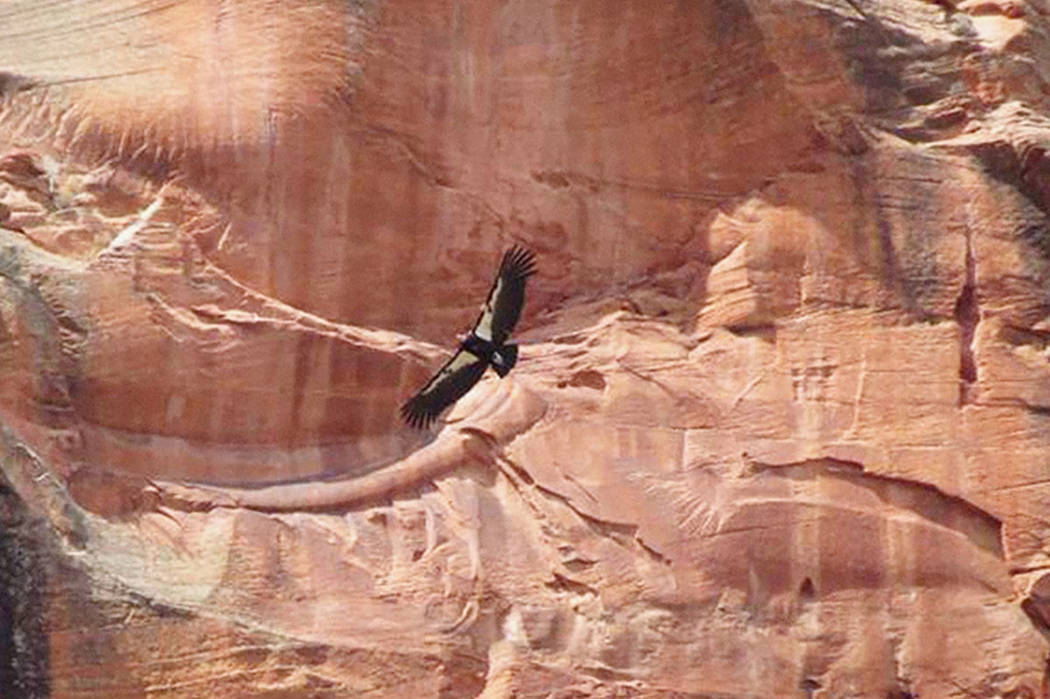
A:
{"points": [[781, 421]]}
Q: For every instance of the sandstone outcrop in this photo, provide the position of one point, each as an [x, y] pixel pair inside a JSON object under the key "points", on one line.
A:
{"points": [[781, 420]]}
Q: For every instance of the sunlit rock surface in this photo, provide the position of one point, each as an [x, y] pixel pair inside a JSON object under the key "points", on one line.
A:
{"points": [[781, 422]]}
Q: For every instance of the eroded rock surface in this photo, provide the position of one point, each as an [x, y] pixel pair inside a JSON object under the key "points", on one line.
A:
{"points": [[781, 420]]}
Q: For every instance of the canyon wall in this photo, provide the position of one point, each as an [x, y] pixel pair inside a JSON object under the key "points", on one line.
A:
{"points": [[781, 421]]}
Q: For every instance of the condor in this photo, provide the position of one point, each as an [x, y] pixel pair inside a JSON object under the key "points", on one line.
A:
{"points": [[485, 346]]}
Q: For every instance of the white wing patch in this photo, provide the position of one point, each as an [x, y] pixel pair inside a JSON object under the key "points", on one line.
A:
{"points": [[460, 360], [484, 326]]}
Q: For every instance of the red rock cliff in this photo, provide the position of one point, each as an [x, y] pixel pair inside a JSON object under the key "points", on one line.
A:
{"points": [[781, 421]]}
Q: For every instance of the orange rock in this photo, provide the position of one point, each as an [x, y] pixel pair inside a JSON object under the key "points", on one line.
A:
{"points": [[780, 423]]}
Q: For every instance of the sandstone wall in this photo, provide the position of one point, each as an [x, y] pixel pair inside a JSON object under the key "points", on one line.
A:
{"points": [[781, 422]]}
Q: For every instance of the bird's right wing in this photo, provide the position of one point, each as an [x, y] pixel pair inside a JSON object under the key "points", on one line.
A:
{"points": [[506, 297], [449, 385]]}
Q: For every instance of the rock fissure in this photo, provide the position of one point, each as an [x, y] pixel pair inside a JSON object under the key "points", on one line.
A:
{"points": [[968, 315]]}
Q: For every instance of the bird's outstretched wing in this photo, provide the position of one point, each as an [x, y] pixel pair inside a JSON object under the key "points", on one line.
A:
{"points": [[506, 297], [449, 385]]}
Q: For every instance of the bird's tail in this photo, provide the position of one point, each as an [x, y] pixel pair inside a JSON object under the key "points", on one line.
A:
{"points": [[505, 359]]}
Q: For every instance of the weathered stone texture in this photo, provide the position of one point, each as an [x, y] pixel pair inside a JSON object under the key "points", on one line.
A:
{"points": [[781, 423]]}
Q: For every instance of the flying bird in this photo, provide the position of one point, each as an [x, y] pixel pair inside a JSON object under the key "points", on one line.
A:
{"points": [[486, 345]]}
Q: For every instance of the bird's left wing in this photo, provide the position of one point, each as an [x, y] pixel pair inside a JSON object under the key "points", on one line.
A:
{"points": [[449, 385]]}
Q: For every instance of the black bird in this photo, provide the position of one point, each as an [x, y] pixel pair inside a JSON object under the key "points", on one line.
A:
{"points": [[485, 346]]}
